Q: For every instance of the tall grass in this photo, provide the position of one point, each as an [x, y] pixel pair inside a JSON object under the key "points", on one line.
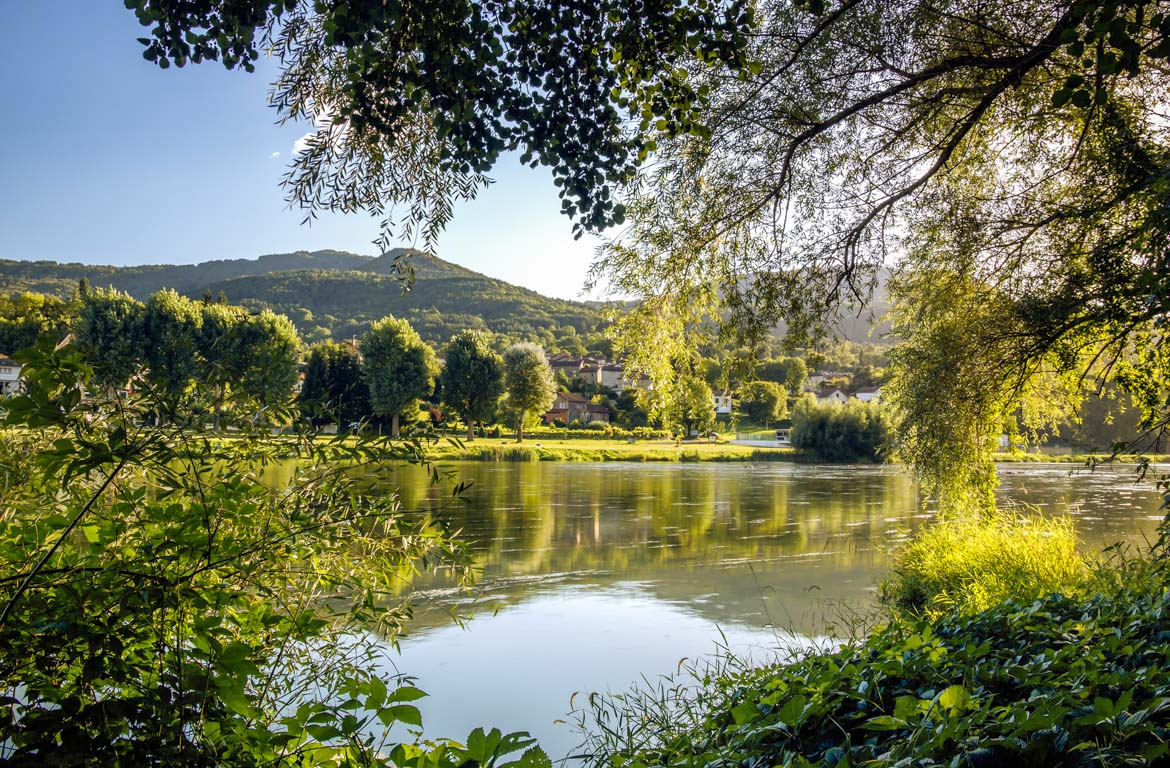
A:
{"points": [[973, 563]]}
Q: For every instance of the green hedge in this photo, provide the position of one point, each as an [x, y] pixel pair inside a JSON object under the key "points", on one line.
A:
{"points": [[589, 433]]}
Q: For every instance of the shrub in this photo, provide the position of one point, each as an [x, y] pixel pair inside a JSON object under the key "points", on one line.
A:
{"points": [[972, 563], [854, 431]]}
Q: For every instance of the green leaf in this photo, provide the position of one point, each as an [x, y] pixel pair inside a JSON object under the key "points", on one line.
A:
{"points": [[745, 713], [884, 723], [956, 699]]}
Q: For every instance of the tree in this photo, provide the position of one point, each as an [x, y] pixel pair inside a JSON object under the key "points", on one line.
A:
{"points": [[423, 97], [264, 351], [692, 406], [398, 368], [334, 383], [110, 331], [1019, 147], [763, 401], [216, 340], [789, 371], [528, 382], [315, 388], [172, 326], [472, 378], [25, 316]]}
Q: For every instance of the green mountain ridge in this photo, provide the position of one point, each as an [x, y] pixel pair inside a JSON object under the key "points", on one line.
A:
{"points": [[331, 293]]}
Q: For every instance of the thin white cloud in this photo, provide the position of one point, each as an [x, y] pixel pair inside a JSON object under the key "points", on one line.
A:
{"points": [[302, 144], [321, 120], [274, 155]]}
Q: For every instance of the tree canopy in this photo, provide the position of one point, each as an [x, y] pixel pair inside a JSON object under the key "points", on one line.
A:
{"points": [[110, 330], [692, 406], [763, 401], [398, 368], [334, 385], [416, 101], [472, 378], [528, 382]]}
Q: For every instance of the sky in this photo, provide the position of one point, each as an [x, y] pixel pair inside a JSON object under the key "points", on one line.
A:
{"points": [[106, 159]]}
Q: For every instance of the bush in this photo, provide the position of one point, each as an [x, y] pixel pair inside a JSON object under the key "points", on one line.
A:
{"points": [[976, 562], [1057, 681], [854, 431]]}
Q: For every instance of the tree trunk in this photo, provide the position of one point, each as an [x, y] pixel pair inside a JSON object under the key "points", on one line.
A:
{"points": [[394, 433], [470, 430], [520, 427]]}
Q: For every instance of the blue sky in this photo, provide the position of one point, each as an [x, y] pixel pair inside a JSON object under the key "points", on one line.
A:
{"points": [[105, 159]]}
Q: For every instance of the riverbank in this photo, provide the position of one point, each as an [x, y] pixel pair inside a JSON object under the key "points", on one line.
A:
{"points": [[1058, 681], [507, 449], [576, 449], [1078, 458]]}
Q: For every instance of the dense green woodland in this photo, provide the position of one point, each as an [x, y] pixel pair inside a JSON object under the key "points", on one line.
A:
{"points": [[332, 294]]}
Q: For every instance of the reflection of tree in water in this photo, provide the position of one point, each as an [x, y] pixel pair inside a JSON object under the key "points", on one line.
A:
{"points": [[722, 531], [724, 540]]}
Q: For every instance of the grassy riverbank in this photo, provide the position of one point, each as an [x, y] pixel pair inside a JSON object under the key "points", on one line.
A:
{"points": [[1052, 682], [1078, 458], [507, 449]]}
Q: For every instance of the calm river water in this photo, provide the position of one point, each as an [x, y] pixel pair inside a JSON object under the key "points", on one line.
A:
{"points": [[596, 574]]}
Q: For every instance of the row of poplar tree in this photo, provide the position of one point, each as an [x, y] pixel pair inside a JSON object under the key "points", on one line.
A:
{"points": [[391, 369], [208, 356], [201, 355]]}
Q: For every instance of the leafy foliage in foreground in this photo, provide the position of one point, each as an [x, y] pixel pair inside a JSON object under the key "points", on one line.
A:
{"points": [[163, 602], [1055, 682]]}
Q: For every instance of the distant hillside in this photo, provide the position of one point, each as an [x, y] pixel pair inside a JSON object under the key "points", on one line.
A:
{"points": [[330, 292], [335, 293]]}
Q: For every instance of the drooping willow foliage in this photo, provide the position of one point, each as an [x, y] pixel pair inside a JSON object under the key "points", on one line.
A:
{"points": [[1003, 166]]}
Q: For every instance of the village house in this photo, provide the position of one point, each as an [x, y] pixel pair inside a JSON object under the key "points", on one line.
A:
{"points": [[818, 378], [589, 374], [567, 408], [570, 406], [611, 374], [834, 395], [868, 394], [585, 369], [723, 403], [9, 376]]}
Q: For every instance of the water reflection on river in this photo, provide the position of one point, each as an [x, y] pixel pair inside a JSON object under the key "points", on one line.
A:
{"points": [[598, 574]]}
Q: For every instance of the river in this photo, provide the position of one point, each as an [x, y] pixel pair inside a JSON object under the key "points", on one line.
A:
{"points": [[595, 575]]}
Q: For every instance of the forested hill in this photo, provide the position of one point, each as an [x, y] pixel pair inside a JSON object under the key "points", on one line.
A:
{"points": [[331, 293]]}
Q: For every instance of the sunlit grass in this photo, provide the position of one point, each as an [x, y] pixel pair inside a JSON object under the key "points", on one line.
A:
{"points": [[973, 563]]}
